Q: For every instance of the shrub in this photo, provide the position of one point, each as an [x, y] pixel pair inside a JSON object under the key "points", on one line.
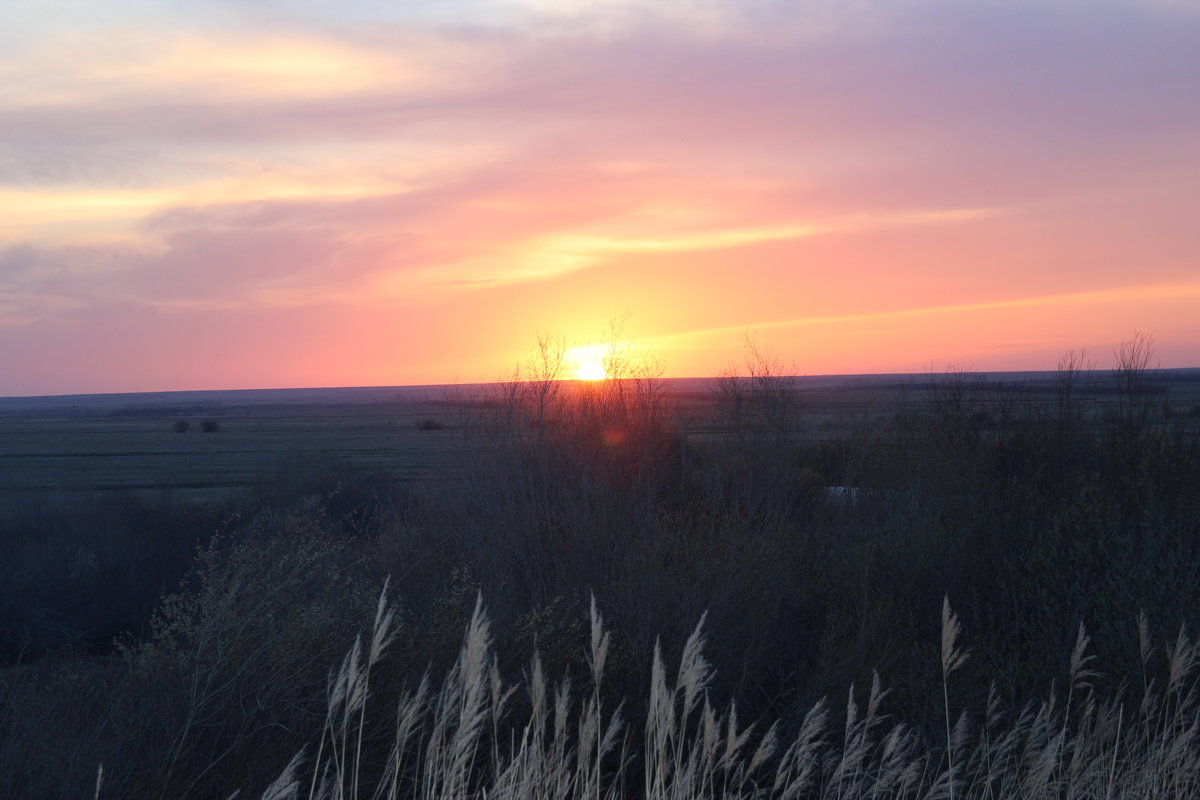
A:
{"points": [[430, 424], [237, 658], [209, 426], [180, 425], [1133, 361]]}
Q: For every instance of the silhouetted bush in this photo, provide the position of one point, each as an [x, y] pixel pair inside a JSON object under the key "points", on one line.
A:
{"points": [[180, 425], [209, 426]]}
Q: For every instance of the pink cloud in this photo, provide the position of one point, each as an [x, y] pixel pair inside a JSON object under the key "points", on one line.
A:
{"points": [[731, 168]]}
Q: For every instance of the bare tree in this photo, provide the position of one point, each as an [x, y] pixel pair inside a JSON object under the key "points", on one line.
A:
{"points": [[953, 396], [632, 393], [504, 397], [765, 397], [543, 379], [1133, 360], [1074, 369]]}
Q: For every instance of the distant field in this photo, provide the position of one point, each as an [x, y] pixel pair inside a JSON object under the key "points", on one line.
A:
{"points": [[103, 444], [100, 443]]}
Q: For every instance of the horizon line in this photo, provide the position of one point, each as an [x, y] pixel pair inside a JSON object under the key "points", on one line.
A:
{"points": [[381, 387]]}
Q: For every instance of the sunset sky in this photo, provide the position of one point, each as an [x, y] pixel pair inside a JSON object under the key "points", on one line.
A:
{"points": [[306, 193]]}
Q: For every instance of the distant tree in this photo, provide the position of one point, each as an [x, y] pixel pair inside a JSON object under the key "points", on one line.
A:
{"points": [[209, 426], [180, 425], [765, 398], [1075, 370], [545, 370], [954, 396], [1133, 360]]}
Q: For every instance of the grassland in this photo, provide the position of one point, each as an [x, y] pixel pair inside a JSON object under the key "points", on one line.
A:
{"points": [[127, 443], [130, 443], [176, 605]]}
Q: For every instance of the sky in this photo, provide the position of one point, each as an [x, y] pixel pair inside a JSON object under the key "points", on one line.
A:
{"points": [[292, 193]]}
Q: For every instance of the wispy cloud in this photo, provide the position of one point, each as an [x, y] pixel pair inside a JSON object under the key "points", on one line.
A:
{"points": [[741, 237], [554, 255], [1125, 294]]}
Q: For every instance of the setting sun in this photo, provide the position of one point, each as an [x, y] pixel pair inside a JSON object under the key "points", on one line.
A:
{"points": [[588, 361]]}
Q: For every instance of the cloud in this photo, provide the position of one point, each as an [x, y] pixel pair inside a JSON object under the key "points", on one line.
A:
{"points": [[1019, 333], [935, 106], [744, 237], [1176, 292], [304, 155]]}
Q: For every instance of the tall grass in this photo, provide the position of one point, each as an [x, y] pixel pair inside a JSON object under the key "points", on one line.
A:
{"points": [[481, 737]]}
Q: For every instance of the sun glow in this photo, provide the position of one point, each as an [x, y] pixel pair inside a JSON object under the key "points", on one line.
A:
{"points": [[589, 362]]}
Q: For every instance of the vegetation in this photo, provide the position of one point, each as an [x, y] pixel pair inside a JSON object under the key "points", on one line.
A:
{"points": [[480, 737], [1066, 537]]}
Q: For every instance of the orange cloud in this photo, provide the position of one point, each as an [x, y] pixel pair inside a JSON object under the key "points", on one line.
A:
{"points": [[125, 65], [324, 186]]}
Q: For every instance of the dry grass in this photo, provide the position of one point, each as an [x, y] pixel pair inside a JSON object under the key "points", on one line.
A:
{"points": [[468, 740]]}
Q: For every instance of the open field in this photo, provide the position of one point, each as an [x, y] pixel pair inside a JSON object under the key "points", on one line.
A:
{"points": [[128, 443], [101, 443]]}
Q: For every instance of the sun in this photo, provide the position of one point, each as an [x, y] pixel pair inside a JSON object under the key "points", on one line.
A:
{"points": [[588, 361]]}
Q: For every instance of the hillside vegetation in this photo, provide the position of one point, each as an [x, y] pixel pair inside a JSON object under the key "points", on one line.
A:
{"points": [[659, 599]]}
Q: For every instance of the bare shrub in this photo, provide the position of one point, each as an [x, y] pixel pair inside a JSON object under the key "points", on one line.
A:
{"points": [[615, 428], [763, 400], [954, 397], [1133, 360], [1075, 371], [238, 655], [752, 466]]}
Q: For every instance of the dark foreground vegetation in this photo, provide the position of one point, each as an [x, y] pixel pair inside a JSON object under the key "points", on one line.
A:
{"points": [[199, 650]]}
